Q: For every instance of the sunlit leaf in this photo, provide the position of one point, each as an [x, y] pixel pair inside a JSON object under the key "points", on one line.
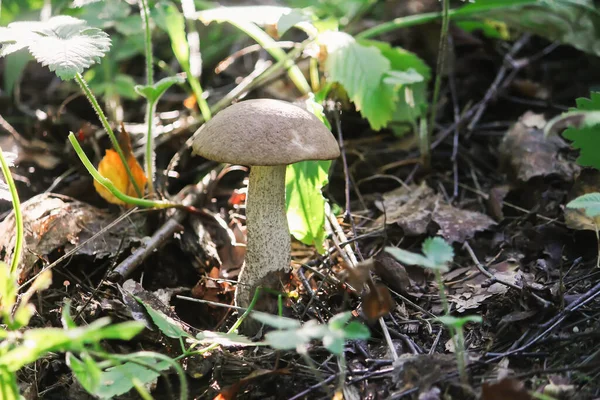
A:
{"points": [[86, 371], [360, 70], [304, 202], [65, 44], [589, 202], [275, 321]]}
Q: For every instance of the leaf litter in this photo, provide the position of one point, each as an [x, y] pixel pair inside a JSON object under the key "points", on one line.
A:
{"points": [[552, 265]]}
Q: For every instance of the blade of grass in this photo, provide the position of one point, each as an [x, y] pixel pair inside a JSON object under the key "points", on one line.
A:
{"points": [[17, 210]]}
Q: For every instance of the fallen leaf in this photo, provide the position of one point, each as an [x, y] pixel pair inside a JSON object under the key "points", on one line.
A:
{"points": [[414, 207], [230, 393], [53, 222], [112, 168], [526, 153], [458, 225], [507, 388], [377, 303], [471, 291], [588, 181]]}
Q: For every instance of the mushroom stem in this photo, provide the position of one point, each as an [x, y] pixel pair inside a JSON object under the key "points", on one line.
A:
{"points": [[269, 245]]}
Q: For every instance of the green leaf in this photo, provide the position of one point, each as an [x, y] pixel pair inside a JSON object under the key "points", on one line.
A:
{"points": [[167, 325], [86, 371], [9, 389], [275, 321], [410, 90], [259, 15], [356, 331], [305, 204], [154, 92], [589, 202], [585, 129], [458, 323], [224, 339], [292, 18], [65, 44], [287, 339], [409, 258], [574, 22], [360, 69], [117, 380], [334, 342], [13, 69], [338, 321], [438, 251]]}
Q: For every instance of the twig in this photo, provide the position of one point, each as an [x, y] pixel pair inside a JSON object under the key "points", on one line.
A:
{"points": [[488, 274]]}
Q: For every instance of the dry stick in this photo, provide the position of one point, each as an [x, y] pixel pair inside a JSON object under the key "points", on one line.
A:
{"points": [[350, 258], [163, 234], [499, 77], [488, 274]]}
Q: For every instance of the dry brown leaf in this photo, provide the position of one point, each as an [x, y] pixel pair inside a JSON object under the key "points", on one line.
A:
{"points": [[507, 388], [112, 168], [526, 153], [54, 221], [458, 225], [414, 207]]}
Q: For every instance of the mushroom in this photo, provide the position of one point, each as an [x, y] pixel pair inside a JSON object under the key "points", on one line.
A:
{"points": [[266, 135]]}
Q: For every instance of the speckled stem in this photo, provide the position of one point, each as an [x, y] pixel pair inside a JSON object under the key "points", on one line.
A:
{"points": [[268, 248]]}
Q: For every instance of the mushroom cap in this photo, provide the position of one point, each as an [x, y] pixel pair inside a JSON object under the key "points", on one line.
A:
{"points": [[265, 132]]}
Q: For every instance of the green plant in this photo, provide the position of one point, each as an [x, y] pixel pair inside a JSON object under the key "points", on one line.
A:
{"points": [[67, 46], [437, 254], [590, 204], [99, 372], [16, 204], [290, 334]]}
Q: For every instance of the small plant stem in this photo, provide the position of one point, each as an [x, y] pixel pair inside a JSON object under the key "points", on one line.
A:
{"points": [[459, 348], [405, 22], [598, 244], [442, 289], [16, 203], [150, 104], [342, 366], [110, 186], [441, 62], [262, 38], [92, 99], [148, 43]]}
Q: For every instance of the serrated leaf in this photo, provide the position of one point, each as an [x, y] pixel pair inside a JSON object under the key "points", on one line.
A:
{"points": [[305, 203], [360, 70], [411, 102], [589, 202], [409, 258], [65, 44], [438, 251], [585, 129]]}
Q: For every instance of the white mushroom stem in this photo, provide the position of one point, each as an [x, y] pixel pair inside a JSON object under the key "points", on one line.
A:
{"points": [[269, 246]]}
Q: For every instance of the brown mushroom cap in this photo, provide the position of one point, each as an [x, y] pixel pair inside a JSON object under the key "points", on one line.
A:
{"points": [[265, 132]]}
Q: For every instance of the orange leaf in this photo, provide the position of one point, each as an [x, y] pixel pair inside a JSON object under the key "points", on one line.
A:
{"points": [[111, 167]]}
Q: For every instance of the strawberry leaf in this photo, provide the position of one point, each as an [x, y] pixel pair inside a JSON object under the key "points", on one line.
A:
{"points": [[65, 44]]}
